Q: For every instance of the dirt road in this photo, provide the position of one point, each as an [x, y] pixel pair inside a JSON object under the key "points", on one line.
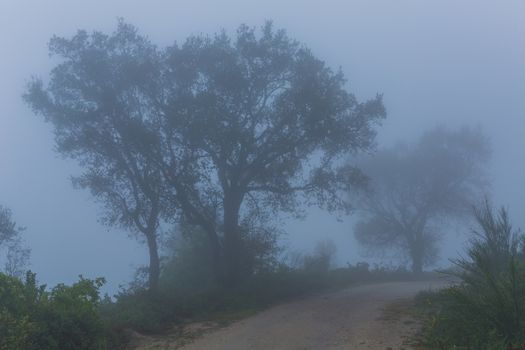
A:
{"points": [[370, 316]]}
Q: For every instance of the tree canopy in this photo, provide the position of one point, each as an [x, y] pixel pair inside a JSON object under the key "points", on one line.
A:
{"points": [[413, 189], [219, 132]]}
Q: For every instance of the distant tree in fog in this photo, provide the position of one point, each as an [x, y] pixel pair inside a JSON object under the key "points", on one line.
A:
{"points": [[17, 255], [8, 228], [220, 132], [414, 189]]}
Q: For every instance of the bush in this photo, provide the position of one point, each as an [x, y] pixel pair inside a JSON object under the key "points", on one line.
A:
{"points": [[322, 258], [487, 309], [66, 317]]}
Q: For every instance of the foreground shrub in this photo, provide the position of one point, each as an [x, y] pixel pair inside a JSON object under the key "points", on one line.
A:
{"points": [[487, 309], [66, 317]]}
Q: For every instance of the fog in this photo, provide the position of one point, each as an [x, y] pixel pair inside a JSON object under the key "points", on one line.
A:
{"points": [[436, 63]]}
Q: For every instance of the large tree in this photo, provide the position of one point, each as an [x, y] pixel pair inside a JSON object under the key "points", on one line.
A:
{"points": [[227, 131], [414, 189], [267, 122]]}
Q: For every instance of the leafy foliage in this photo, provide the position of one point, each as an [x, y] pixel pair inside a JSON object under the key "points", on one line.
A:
{"points": [[221, 133], [322, 258], [486, 310], [17, 256], [66, 317]]}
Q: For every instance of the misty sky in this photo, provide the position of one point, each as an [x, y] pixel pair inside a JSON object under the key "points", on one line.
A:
{"points": [[436, 62]]}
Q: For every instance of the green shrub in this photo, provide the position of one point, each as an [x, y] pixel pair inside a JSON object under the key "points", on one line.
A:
{"points": [[141, 311], [487, 309], [66, 317]]}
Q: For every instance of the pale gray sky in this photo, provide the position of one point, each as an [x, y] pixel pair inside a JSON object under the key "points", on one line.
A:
{"points": [[437, 62]]}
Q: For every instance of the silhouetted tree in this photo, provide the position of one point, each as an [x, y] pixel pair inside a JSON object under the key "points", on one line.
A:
{"points": [[8, 228], [98, 101], [17, 255], [226, 132], [267, 122], [413, 189]]}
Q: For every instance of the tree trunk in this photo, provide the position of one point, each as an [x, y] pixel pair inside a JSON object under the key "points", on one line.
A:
{"points": [[418, 247], [417, 266], [417, 259], [154, 262], [232, 241], [217, 256]]}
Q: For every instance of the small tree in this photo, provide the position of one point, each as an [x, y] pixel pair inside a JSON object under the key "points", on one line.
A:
{"points": [[413, 188], [17, 256]]}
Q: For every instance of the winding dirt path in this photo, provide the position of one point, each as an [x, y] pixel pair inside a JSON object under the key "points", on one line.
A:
{"points": [[371, 316]]}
